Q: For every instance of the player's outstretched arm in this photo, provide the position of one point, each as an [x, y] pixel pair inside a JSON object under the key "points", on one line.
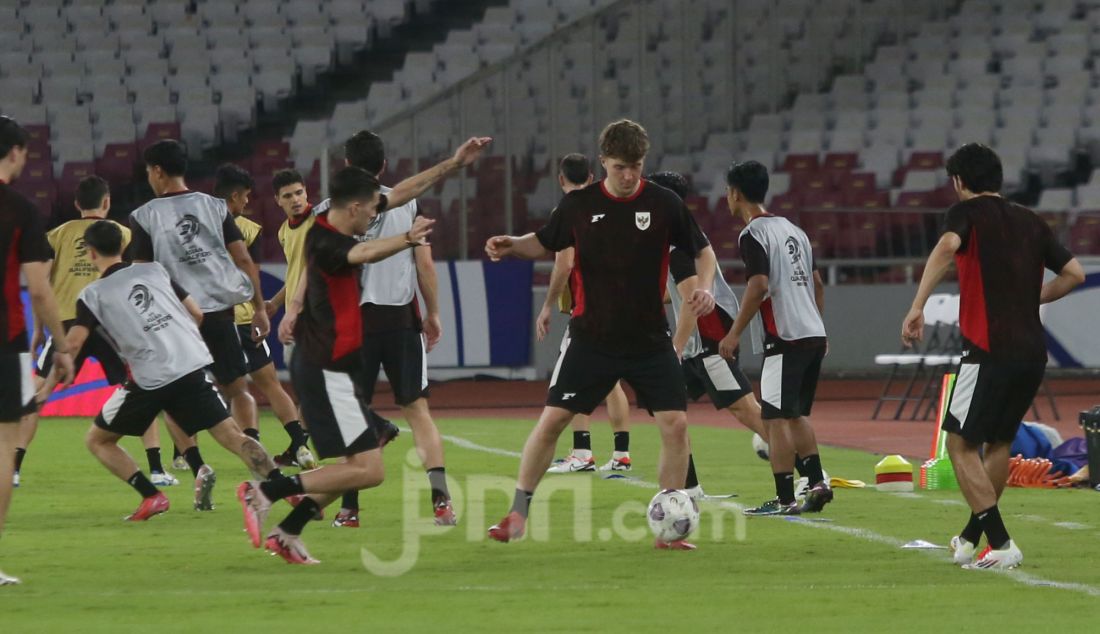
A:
{"points": [[1070, 277], [44, 306], [525, 247], [382, 248], [939, 262], [755, 292], [428, 282], [417, 184]]}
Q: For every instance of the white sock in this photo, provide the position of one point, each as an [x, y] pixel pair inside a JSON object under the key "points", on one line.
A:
{"points": [[583, 454], [619, 455]]}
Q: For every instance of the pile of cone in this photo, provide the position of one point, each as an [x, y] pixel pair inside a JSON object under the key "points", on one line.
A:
{"points": [[1034, 473]]}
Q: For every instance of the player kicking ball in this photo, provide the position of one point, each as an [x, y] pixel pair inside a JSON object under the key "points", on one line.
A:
{"points": [[154, 324], [622, 228], [786, 288], [327, 367]]}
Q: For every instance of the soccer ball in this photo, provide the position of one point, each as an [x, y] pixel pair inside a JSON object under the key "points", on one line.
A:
{"points": [[760, 447], [672, 515]]}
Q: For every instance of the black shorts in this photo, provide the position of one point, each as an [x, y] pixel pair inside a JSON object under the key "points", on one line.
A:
{"points": [[16, 386], [339, 418], [401, 353], [723, 381], [190, 400], [788, 382], [991, 398], [584, 377], [94, 346], [258, 353], [220, 334]]}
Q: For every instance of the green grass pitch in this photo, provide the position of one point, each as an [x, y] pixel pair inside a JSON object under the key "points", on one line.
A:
{"points": [[588, 564]]}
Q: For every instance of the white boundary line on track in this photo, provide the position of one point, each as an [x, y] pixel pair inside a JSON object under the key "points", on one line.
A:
{"points": [[861, 533]]}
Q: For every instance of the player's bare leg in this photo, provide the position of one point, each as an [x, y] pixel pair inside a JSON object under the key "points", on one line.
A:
{"points": [[781, 455], [538, 452], [248, 449], [150, 440], [747, 412], [267, 381], [618, 410], [242, 406], [27, 428], [9, 434], [975, 481], [104, 446], [429, 447], [995, 463], [363, 470], [580, 456], [675, 448]]}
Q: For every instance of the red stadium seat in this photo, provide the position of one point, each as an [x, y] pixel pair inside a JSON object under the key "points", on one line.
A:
{"points": [[801, 162], [822, 228], [38, 169], [786, 204], [118, 162], [858, 235], [157, 131], [842, 161], [914, 199], [811, 180], [922, 160], [822, 199]]}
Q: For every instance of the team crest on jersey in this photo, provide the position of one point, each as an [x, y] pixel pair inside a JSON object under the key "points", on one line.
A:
{"points": [[140, 298], [641, 220], [187, 228], [793, 250]]}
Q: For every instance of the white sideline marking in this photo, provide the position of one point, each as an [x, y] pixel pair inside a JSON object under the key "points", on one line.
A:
{"points": [[861, 533]]}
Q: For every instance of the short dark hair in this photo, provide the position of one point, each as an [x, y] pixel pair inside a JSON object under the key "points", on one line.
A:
{"points": [[624, 140], [978, 167], [230, 178], [12, 135], [285, 177], [365, 150], [105, 237], [351, 184], [575, 168], [90, 192], [169, 155], [750, 178], [671, 180]]}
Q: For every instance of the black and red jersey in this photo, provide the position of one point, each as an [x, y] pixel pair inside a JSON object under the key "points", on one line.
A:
{"points": [[621, 262], [329, 330], [22, 239], [1005, 248]]}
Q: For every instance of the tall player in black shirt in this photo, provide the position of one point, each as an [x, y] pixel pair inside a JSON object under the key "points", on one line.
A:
{"points": [[23, 249], [1000, 250], [621, 229]]}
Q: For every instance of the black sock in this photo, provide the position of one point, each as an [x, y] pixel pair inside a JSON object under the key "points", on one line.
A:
{"points": [[437, 479], [799, 468], [280, 488], [522, 502], [275, 474], [350, 501], [176, 453], [300, 516], [973, 531], [297, 434], [811, 468], [153, 456], [194, 460], [993, 527], [692, 479], [142, 484], [20, 453], [784, 487], [622, 441], [254, 434], [582, 440]]}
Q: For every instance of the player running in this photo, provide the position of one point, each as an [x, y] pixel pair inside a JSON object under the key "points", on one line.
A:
{"points": [[193, 236], [327, 368], [70, 272], [153, 322], [382, 319], [785, 287], [1000, 250], [622, 229], [234, 185], [23, 250], [574, 173]]}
